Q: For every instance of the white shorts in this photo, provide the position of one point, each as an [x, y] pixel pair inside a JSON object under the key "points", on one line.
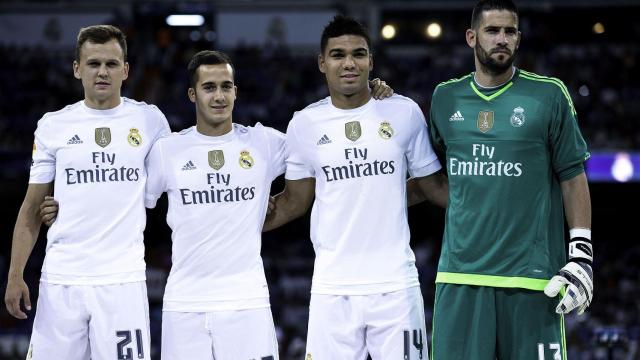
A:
{"points": [[219, 335], [106, 322], [387, 326]]}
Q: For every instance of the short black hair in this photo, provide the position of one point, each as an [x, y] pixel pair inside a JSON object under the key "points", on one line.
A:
{"points": [[343, 25], [207, 57], [101, 34], [487, 5]]}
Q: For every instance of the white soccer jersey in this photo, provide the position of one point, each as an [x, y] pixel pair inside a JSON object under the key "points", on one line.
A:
{"points": [[360, 158], [218, 189], [96, 159]]}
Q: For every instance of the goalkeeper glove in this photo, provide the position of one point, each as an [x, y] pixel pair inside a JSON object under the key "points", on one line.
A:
{"points": [[577, 275]]}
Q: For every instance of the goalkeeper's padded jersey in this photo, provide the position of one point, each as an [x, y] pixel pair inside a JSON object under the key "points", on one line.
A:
{"points": [[218, 190], [96, 160], [359, 159], [507, 151]]}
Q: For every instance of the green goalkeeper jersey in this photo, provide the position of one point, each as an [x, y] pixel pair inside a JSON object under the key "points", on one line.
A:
{"points": [[507, 151]]}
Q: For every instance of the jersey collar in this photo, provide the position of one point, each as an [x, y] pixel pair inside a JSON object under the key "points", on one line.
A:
{"points": [[490, 93], [107, 112], [216, 139]]}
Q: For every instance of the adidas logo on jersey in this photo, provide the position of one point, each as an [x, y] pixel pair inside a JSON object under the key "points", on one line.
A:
{"points": [[189, 166], [324, 140], [457, 116], [74, 140]]}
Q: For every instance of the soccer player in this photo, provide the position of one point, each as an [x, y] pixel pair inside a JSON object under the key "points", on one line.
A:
{"points": [[353, 153], [92, 300], [514, 158], [217, 176]]}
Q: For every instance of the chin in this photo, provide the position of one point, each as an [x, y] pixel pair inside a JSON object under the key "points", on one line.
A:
{"points": [[351, 89]]}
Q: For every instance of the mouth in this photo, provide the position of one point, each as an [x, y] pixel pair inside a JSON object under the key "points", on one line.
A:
{"points": [[218, 108], [501, 51], [349, 76]]}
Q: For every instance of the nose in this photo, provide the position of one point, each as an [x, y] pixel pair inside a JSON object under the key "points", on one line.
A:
{"points": [[217, 95], [502, 38], [102, 71], [349, 62]]}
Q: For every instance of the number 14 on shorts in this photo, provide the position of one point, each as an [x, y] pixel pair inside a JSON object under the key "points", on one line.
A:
{"points": [[127, 353], [554, 349]]}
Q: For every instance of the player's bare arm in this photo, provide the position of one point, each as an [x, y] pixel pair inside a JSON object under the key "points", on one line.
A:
{"points": [[433, 188], [291, 203], [577, 202], [577, 275], [25, 235]]}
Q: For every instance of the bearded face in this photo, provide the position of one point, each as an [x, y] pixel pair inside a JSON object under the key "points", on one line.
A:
{"points": [[496, 60], [495, 41]]}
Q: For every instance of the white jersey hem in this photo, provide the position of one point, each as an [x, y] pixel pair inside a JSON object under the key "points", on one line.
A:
{"points": [[361, 289], [120, 278]]}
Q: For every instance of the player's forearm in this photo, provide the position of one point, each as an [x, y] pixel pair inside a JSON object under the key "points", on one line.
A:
{"points": [[435, 188], [414, 193], [25, 235], [577, 202], [286, 210]]}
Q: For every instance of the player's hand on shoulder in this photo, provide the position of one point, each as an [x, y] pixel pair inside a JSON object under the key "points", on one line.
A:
{"points": [[49, 210], [380, 89], [577, 276], [17, 290]]}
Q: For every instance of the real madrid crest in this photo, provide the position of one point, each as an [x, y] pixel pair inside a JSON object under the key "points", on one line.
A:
{"points": [[485, 121], [103, 136], [245, 161], [308, 357], [385, 131], [134, 137], [216, 159], [517, 118], [352, 130]]}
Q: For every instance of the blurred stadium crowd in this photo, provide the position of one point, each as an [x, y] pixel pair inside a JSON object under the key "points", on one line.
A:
{"points": [[273, 82]]}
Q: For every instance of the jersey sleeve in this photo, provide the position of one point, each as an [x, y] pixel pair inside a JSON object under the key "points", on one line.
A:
{"points": [[162, 123], [298, 165], [436, 137], [156, 181], [43, 161], [276, 141], [421, 158], [568, 148]]}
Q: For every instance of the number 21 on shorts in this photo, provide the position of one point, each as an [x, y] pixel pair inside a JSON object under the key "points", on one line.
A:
{"points": [[127, 354]]}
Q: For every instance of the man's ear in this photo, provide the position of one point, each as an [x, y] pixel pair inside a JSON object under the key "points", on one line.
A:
{"points": [[470, 36], [321, 64], [76, 70]]}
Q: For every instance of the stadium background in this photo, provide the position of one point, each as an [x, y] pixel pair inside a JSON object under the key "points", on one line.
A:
{"points": [[273, 45]]}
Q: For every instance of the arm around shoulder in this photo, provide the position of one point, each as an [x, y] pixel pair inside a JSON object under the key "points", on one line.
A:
{"points": [[291, 203]]}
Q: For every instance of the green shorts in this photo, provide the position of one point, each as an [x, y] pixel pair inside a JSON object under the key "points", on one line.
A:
{"points": [[489, 323]]}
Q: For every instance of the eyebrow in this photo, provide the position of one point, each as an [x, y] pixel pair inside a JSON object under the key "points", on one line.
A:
{"points": [[360, 49], [226, 82], [493, 27], [105, 60]]}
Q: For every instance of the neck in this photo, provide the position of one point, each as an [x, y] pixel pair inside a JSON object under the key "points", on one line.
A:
{"points": [[485, 78], [345, 102], [105, 104], [214, 129]]}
